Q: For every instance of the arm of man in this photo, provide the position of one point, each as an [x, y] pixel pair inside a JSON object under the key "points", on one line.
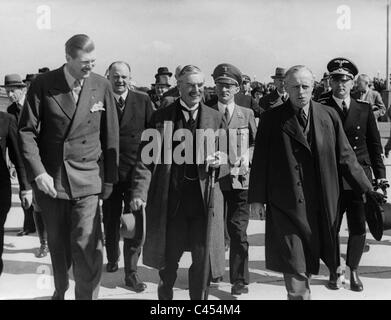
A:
{"points": [[25, 193], [379, 105], [350, 168], [142, 172], [109, 137], [257, 191], [375, 148]]}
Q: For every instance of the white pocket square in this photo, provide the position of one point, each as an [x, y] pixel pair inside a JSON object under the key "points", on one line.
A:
{"points": [[97, 107]]}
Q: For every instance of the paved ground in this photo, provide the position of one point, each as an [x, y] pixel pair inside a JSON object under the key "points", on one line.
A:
{"points": [[26, 277]]}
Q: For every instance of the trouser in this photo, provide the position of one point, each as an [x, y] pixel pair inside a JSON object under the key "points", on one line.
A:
{"points": [[28, 223], [237, 222], [353, 205], [186, 227], [5, 205], [298, 286], [39, 224], [113, 207], [74, 239]]}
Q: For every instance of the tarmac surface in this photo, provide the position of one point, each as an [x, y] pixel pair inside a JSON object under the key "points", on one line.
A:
{"points": [[27, 277]]}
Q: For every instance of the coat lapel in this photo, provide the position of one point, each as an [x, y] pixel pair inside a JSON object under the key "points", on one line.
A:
{"points": [[62, 94], [128, 110], [84, 105], [291, 126]]}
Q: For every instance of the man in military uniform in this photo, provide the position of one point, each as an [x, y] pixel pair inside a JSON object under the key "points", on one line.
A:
{"points": [[244, 99], [277, 96], [324, 90], [360, 127], [235, 174]]}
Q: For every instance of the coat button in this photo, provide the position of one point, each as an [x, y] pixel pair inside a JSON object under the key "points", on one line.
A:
{"points": [[356, 138], [297, 167], [354, 148], [301, 200], [84, 141], [84, 159], [299, 183], [358, 127]]}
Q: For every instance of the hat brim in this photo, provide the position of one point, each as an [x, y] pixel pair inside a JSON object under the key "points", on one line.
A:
{"points": [[226, 80], [277, 77], [18, 85]]}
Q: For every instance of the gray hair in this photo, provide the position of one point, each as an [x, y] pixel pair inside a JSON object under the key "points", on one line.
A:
{"points": [[189, 69]]}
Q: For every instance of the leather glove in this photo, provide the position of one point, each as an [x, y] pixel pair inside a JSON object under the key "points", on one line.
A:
{"points": [[374, 197]]}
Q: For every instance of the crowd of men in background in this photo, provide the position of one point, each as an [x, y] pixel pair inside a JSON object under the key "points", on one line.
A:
{"points": [[80, 139]]}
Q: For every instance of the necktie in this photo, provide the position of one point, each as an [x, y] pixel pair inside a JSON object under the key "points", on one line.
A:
{"points": [[121, 103], [302, 118], [191, 121], [226, 115], [344, 109], [76, 90]]}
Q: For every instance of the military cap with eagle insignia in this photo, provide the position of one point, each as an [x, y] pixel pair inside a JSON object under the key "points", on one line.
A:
{"points": [[342, 68], [227, 73]]}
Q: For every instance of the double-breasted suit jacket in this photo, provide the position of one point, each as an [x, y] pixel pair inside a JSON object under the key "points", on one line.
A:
{"points": [[156, 185], [77, 146], [296, 236], [361, 130]]}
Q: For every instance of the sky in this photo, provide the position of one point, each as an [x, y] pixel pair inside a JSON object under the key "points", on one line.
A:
{"points": [[254, 35]]}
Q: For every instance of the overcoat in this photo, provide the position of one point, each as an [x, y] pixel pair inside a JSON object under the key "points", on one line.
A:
{"points": [[292, 244], [151, 183]]}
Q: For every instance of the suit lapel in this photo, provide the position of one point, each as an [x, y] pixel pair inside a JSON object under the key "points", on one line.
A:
{"points": [[62, 94], [333, 103], [84, 104], [291, 126]]}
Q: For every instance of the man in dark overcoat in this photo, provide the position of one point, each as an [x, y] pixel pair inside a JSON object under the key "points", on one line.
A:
{"points": [[176, 194], [300, 153]]}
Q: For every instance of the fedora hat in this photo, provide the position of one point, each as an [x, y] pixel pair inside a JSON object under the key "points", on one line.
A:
{"points": [[378, 216], [128, 225], [13, 80], [163, 71], [279, 73], [30, 77]]}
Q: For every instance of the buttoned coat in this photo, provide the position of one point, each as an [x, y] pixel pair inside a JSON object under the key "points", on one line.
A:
{"points": [[281, 151], [76, 145], [361, 130], [151, 183], [243, 122]]}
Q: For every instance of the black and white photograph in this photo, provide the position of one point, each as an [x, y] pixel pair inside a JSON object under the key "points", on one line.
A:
{"points": [[209, 150]]}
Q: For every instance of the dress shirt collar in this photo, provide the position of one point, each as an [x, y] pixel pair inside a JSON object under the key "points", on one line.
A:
{"points": [[124, 95], [339, 101], [185, 113], [230, 106], [70, 79]]}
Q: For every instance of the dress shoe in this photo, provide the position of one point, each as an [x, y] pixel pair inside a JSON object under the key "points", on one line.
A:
{"points": [[42, 251], [333, 281], [163, 292], [22, 233], [112, 266], [216, 280], [58, 296], [238, 288], [355, 282], [134, 282]]}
